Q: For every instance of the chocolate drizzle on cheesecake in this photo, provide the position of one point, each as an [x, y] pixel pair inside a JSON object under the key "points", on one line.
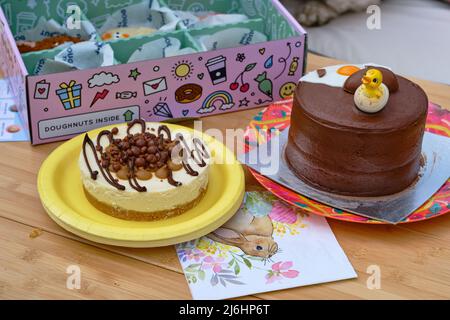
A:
{"points": [[99, 138], [201, 151], [189, 169], [88, 141], [141, 155], [166, 130], [198, 154], [171, 180], [134, 122], [108, 177], [132, 176]]}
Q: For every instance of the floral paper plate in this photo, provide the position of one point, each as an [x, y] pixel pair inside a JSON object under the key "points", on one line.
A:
{"points": [[276, 118]]}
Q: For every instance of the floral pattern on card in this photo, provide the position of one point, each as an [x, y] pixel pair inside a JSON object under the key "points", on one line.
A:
{"points": [[221, 260], [267, 245]]}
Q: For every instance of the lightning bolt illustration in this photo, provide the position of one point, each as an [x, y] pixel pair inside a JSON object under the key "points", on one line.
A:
{"points": [[99, 96]]}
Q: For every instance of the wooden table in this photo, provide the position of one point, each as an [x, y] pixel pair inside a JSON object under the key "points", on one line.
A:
{"points": [[414, 258]]}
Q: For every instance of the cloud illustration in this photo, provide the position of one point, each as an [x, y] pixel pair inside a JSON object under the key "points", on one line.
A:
{"points": [[227, 106], [206, 109], [103, 79]]}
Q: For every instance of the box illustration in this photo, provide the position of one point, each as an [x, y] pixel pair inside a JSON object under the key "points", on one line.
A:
{"points": [[57, 106]]}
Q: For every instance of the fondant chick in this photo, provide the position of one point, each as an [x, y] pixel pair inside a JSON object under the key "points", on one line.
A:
{"points": [[372, 95]]}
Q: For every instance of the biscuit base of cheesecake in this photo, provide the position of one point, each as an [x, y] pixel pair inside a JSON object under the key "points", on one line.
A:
{"points": [[133, 215]]}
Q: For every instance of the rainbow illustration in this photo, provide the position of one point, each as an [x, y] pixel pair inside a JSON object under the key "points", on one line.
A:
{"points": [[218, 99]]}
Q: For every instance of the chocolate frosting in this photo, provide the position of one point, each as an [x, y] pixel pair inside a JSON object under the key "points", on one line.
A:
{"points": [[335, 107], [334, 146], [389, 79]]}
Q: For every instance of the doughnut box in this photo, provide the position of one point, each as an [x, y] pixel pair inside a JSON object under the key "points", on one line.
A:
{"points": [[57, 106]]}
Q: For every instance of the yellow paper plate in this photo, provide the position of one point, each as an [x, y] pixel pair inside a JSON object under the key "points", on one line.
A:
{"points": [[61, 192]]}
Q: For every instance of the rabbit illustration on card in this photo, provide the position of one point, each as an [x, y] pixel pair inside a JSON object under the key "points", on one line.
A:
{"points": [[251, 228]]}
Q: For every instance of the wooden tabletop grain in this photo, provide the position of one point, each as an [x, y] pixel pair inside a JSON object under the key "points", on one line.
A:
{"points": [[414, 259]]}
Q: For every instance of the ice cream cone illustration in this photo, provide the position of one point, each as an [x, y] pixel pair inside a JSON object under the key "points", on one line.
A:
{"points": [[264, 84]]}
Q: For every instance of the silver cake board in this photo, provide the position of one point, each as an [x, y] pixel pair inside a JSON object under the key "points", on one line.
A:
{"points": [[392, 209]]}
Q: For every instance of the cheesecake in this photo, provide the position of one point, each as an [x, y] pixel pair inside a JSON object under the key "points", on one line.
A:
{"points": [[144, 171]]}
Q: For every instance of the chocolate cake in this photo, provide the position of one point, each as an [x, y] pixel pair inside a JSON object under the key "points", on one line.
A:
{"points": [[336, 147]]}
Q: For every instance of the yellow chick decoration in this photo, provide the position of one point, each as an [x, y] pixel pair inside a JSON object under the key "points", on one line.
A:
{"points": [[372, 95]]}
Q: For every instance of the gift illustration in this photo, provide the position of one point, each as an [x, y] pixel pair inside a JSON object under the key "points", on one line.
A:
{"points": [[70, 95]]}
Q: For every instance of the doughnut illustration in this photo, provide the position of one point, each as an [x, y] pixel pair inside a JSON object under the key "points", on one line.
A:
{"points": [[188, 93]]}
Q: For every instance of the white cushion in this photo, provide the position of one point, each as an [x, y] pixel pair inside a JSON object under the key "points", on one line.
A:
{"points": [[414, 38]]}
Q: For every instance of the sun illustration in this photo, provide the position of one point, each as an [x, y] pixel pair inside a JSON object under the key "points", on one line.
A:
{"points": [[182, 70]]}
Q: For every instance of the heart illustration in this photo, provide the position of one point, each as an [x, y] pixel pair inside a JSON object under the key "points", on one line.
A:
{"points": [[155, 86], [200, 76], [262, 51], [185, 112], [41, 90]]}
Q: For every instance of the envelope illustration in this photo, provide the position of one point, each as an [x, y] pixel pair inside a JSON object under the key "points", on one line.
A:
{"points": [[155, 86]]}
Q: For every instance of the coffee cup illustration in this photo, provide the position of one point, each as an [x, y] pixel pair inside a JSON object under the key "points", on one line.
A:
{"points": [[217, 69]]}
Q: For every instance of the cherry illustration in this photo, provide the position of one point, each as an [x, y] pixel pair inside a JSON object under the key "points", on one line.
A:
{"points": [[234, 86], [239, 81], [244, 88]]}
